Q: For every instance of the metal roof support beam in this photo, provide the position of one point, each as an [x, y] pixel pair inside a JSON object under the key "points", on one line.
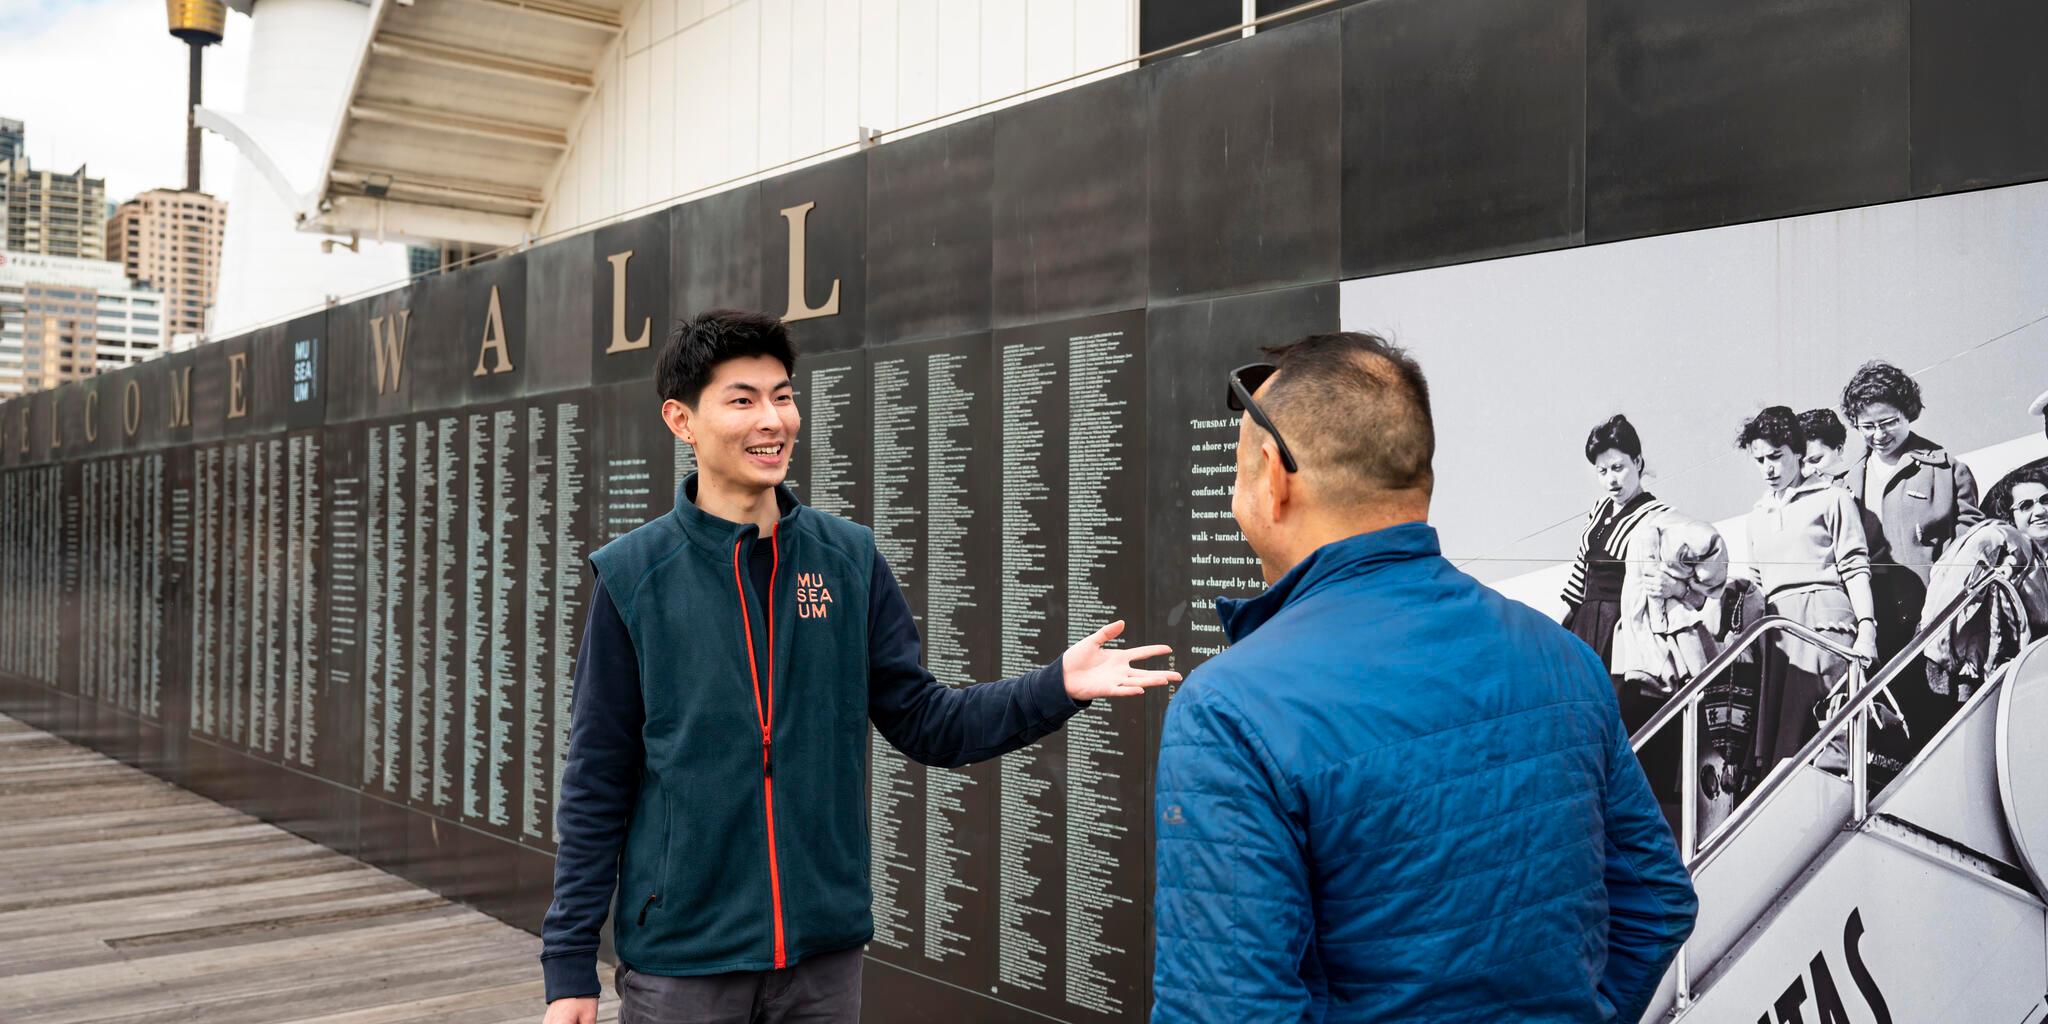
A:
{"points": [[462, 58], [454, 189], [391, 219], [461, 124], [561, 11]]}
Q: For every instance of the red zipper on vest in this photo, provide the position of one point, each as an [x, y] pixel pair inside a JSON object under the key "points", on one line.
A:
{"points": [[764, 713]]}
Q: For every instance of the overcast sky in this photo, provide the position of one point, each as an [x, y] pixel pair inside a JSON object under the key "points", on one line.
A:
{"points": [[102, 82]]}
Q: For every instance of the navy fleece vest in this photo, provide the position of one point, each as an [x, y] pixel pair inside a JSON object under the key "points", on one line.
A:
{"points": [[706, 884]]}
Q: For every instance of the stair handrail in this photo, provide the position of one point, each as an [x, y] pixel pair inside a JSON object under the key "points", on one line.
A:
{"points": [[1686, 699], [1856, 711]]}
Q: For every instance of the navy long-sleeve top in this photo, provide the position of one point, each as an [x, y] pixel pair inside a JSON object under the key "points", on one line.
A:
{"points": [[930, 722]]}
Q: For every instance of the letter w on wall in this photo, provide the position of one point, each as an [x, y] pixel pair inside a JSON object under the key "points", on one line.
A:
{"points": [[387, 347]]}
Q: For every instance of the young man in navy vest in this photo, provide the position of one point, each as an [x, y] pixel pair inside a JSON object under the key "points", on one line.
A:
{"points": [[717, 763]]}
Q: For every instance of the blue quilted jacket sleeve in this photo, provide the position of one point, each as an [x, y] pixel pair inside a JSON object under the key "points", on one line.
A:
{"points": [[1234, 917], [1650, 900]]}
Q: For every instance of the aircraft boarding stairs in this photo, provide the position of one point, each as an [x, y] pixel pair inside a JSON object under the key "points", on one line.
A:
{"points": [[1821, 905]]}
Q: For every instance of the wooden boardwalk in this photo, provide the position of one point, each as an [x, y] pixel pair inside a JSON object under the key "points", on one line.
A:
{"points": [[126, 899]]}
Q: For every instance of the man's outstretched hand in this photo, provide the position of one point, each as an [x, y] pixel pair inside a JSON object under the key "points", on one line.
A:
{"points": [[573, 1010], [1093, 670]]}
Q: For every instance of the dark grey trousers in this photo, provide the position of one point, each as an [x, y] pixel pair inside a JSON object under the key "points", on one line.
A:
{"points": [[823, 989]]}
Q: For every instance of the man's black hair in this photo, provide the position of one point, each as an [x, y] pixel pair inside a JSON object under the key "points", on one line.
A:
{"points": [[697, 345], [1356, 408]]}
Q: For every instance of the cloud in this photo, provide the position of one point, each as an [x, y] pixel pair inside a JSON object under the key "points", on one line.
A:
{"points": [[102, 83]]}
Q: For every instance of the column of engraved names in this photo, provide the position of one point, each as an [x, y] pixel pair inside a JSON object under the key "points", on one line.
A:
{"points": [[93, 583], [426, 512], [149, 658], [446, 624], [269, 611], [70, 568], [898, 536], [831, 478], [566, 444], [553, 444], [1219, 563], [1027, 375], [1098, 421], [948, 597], [50, 531], [178, 528], [10, 571], [205, 559], [377, 555], [477, 569], [309, 514], [254, 670], [391, 624], [50, 578], [504, 512], [344, 583], [237, 585], [293, 586]]}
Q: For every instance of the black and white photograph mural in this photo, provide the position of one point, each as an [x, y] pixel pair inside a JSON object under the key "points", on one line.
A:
{"points": [[1832, 418]]}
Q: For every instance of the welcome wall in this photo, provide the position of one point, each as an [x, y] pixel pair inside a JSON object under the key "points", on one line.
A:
{"points": [[332, 571]]}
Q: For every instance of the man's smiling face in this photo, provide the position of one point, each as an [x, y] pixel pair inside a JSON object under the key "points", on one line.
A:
{"points": [[745, 423]]}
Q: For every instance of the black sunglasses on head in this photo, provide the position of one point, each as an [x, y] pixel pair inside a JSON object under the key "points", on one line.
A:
{"points": [[1243, 381]]}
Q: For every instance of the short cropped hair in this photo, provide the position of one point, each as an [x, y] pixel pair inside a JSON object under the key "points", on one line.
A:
{"points": [[697, 346], [1824, 426], [1355, 411], [1777, 426], [1879, 381], [1616, 433]]}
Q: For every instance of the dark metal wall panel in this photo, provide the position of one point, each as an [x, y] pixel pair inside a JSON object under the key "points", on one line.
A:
{"points": [[1162, 23], [1070, 206], [636, 463], [560, 311], [715, 257], [1701, 115], [1978, 88], [834, 236], [929, 233], [630, 308], [437, 350], [1464, 130], [1245, 165]]}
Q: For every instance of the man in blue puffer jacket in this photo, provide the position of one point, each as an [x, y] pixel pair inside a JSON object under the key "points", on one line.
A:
{"points": [[1398, 796]]}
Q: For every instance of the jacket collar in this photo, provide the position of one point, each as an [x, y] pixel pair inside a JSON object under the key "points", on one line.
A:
{"points": [[1918, 449], [1805, 486], [719, 535], [1337, 560]]}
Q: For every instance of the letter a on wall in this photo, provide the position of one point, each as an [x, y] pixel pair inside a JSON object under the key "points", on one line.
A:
{"points": [[493, 347]]}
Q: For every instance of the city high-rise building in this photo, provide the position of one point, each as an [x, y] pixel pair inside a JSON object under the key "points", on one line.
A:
{"points": [[54, 214], [64, 319], [169, 240], [12, 147]]}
